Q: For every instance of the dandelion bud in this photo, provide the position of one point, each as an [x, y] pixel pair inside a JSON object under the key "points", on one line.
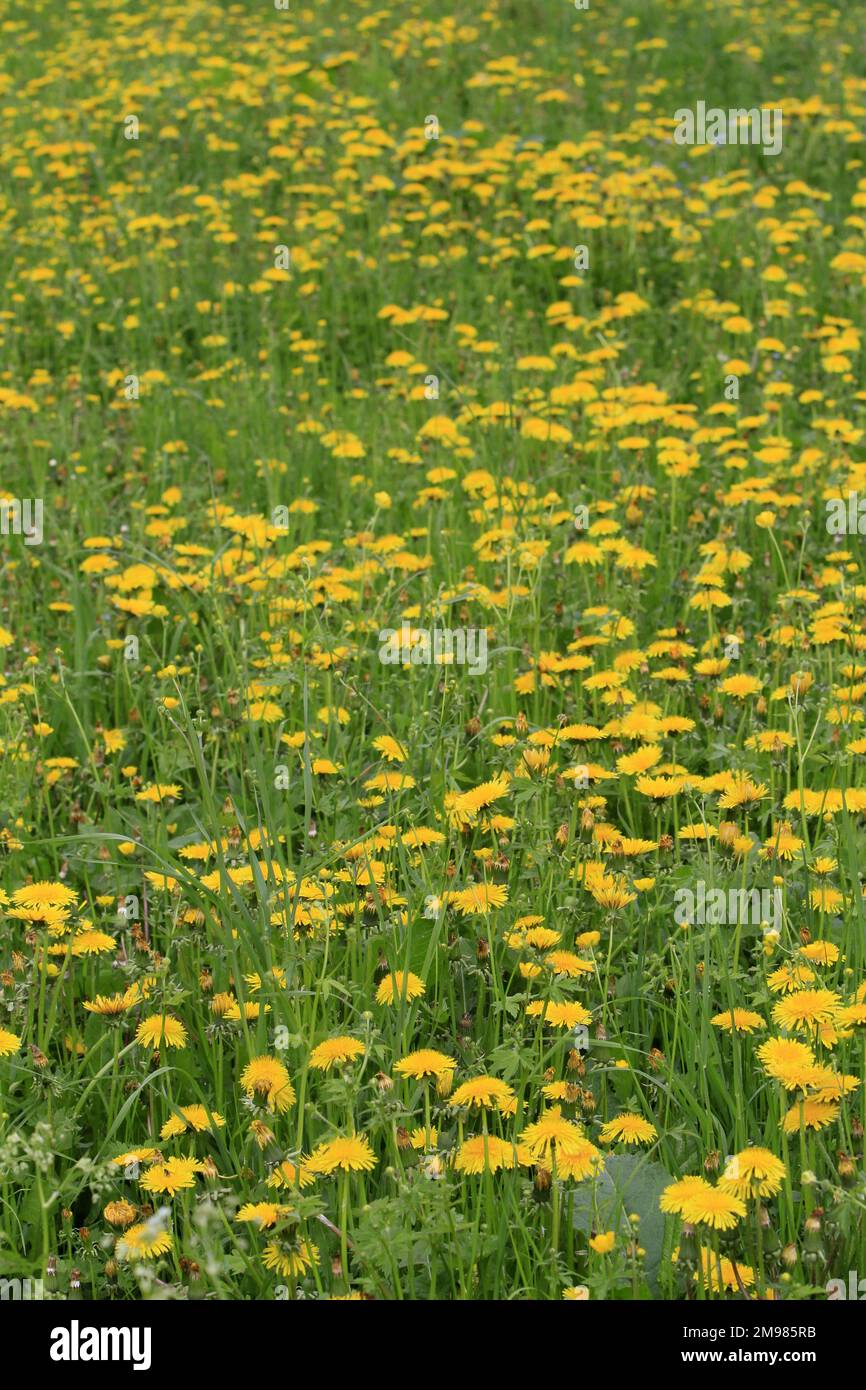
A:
{"points": [[771, 939], [688, 1249], [813, 1244], [262, 1135], [120, 1213], [542, 1180], [772, 1243]]}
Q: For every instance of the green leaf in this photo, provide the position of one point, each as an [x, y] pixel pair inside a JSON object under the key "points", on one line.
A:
{"points": [[629, 1183]]}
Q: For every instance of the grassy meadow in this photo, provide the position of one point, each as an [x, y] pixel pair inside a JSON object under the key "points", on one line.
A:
{"points": [[432, 652]]}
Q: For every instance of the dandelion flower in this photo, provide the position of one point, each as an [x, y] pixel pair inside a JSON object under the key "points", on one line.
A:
{"points": [[628, 1129], [806, 1010], [172, 1176], [349, 1153], [92, 943], [267, 1078], [44, 894], [160, 1030], [721, 1273], [9, 1042], [566, 1014], [484, 1153], [264, 1214], [712, 1206], [335, 1051], [483, 1092], [399, 985], [290, 1261], [604, 1243], [753, 1172], [577, 1159], [788, 1061], [738, 1021], [288, 1174], [676, 1194], [195, 1117], [551, 1132], [426, 1062], [479, 898], [143, 1242], [810, 1114]]}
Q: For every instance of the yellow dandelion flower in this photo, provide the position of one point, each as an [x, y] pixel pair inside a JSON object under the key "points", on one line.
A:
{"points": [[265, 1077]]}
